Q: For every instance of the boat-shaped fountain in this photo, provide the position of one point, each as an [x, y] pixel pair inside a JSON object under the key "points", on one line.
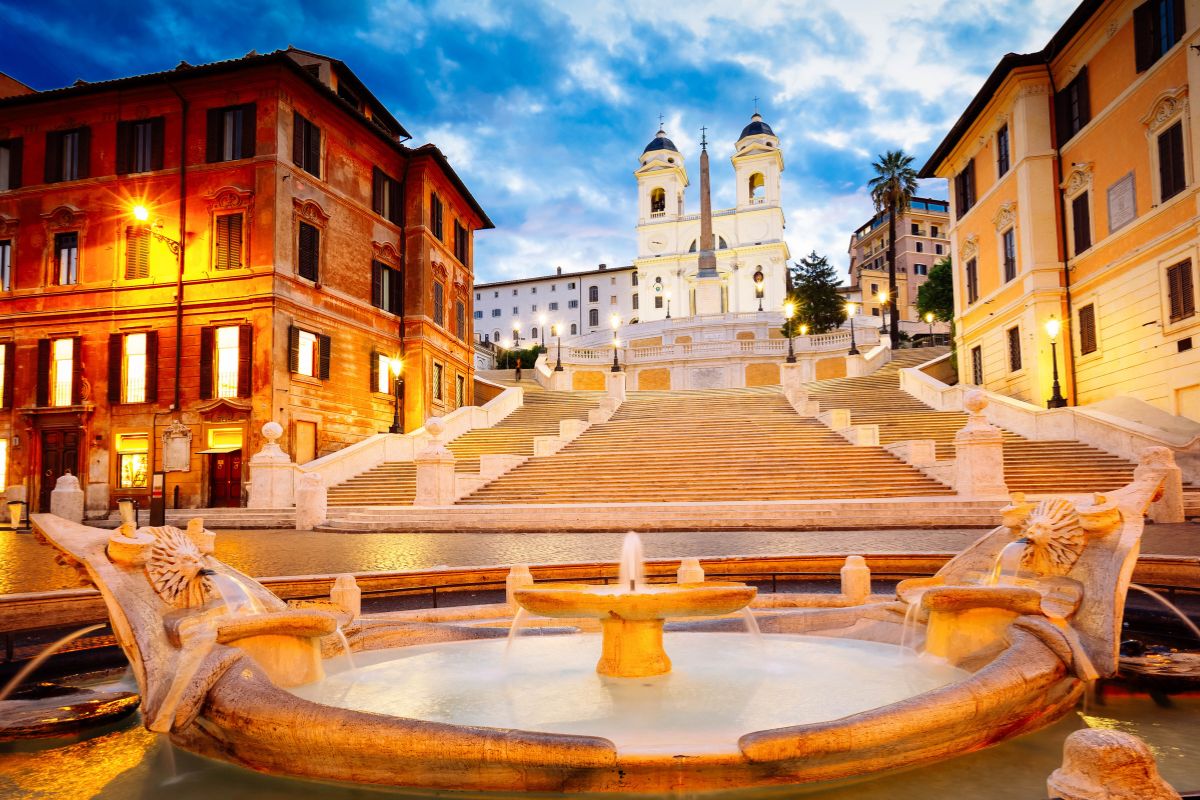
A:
{"points": [[1011, 629]]}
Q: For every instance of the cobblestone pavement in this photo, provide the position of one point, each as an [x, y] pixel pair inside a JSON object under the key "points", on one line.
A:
{"points": [[27, 566]]}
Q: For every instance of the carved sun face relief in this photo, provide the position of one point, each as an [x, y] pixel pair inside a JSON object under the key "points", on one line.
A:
{"points": [[1056, 537], [176, 569]]}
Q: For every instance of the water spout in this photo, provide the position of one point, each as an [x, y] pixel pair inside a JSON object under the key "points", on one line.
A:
{"points": [[41, 657], [1174, 609], [1008, 563], [632, 569], [341, 637], [514, 629], [236, 596], [752, 625], [908, 633]]}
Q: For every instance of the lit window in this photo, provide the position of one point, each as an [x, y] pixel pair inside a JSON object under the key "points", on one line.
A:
{"points": [[134, 378], [5, 265], [438, 391], [3, 387], [227, 361], [306, 353], [66, 258], [382, 365], [460, 391], [3, 462], [63, 371], [133, 460]]}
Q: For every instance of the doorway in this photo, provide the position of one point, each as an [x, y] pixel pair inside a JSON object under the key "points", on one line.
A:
{"points": [[306, 441], [60, 455], [225, 479]]}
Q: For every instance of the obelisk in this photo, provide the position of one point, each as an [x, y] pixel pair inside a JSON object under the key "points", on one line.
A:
{"points": [[708, 286]]}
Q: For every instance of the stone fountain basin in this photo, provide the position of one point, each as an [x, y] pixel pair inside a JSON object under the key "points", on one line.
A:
{"points": [[649, 602]]}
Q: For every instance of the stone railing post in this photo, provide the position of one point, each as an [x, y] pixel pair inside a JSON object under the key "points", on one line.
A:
{"points": [[435, 469], [272, 473], [1168, 507], [312, 502], [615, 384], [1107, 765], [66, 500], [979, 454]]}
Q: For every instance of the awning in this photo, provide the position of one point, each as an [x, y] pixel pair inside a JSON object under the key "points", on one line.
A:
{"points": [[221, 449]]}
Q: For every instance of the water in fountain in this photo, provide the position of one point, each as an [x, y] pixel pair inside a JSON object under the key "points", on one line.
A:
{"points": [[908, 633], [631, 573], [752, 625], [236, 596], [1008, 563], [1174, 609], [41, 657], [341, 637], [514, 630]]}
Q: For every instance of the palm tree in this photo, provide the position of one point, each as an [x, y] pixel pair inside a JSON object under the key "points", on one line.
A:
{"points": [[892, 189]]}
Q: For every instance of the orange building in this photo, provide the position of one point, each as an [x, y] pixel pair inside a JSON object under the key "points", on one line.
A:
{"points": [[196, 252], [1074, 197], [922, 240]]}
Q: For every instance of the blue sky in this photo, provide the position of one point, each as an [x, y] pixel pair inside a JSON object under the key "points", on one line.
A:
{"points": [[544, 107]]}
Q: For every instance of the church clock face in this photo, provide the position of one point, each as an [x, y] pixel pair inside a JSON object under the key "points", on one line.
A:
{"points": [[656, 244]]}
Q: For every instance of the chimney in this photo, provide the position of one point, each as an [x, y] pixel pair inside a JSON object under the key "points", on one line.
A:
{"points": [[603, 267], [560, 271]]}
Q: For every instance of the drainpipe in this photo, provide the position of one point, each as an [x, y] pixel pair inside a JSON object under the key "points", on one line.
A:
{"points": [[1068, 337], [183, 129], [403, 252]]}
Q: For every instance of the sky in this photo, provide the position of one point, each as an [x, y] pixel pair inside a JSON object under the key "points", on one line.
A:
{"points": [[544, 107]]}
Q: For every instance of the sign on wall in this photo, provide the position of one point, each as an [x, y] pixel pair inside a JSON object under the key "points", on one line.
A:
{"points": [[1122, 203], [177, 448]]}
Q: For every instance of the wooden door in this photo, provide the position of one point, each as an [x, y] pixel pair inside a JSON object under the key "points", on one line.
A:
{"points": [[60, 455], [225, 480], [306, 441]]}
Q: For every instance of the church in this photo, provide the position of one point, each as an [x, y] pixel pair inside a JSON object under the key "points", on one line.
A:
{"points": [[715, 262]]}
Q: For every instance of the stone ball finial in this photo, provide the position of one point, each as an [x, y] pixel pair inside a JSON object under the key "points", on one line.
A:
{"points": [[975, 401], [272, 431], [1108, 765], [435, 426]]}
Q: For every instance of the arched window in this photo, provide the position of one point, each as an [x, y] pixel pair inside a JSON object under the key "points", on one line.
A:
{"points": [[594, 317], [692, 249], [721, 243], [757, 186], [485, 339], [495, 336], [533, 332], [593, 294], [658, 201], [574, 329]]}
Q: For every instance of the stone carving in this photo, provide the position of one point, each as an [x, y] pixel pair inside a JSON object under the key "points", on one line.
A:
{"points": [[177, 569], [1167, 106], [1006, 216], [1055, 537], [1078, 180], [65, 218], [229, 198], [385, 252], [8, 227], [970, 247], [1108, 765], [309, 211], [177, 447]]}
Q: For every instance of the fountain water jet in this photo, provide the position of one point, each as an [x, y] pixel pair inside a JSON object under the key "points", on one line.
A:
{"points": [[41, 657], [1174, 609]]}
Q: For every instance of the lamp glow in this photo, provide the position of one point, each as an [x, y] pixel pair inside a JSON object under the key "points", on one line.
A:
{"points": [[803, 330], [396, 364], [616, 321], [542, 320], [789, 310], [516, 325], [506, 344], [141, 213], [882, 297], [850, 309], [929, 317], [1053, 326]]}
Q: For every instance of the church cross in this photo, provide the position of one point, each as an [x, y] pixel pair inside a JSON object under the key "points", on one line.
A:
{"points": [[755, 104], [660, 121], [703, 139]]}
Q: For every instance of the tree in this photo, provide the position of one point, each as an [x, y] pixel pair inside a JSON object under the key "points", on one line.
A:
{"points": [[892, 188], [936, 295], [815, 292]]}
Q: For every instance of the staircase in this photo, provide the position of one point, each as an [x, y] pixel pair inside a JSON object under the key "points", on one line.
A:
{"points": [[395, 483], [707, 445], [1033, 467]]}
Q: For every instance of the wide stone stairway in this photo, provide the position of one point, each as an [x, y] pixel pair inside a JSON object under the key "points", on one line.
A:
{"points": [[707, 445], [395, 483], [1034, 467]]}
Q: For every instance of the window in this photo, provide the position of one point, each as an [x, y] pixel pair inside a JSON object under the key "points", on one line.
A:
{"points": [[227, 362], [309, 353], [1171, 174], [635, 278], [937, 249], [612, 281], [225, 353], [533, 332], [554, 306], [514, 292], [380, 375], [133, 460], [1157, 26], [658, 201], [478, 314], [439, 392], [658, 301], [1081, 223], [571, 285], [1008, 247], [139, 146], [133, 367], [964, 189], [516, 311], [874, 289], [460, 391], [533, 290], [593, 294], [554, 287], [933, 231], [67, 155], [62, 375], [495, 336], [477, 296], [10, 164], [977, 366], [920, 247], [1072, 107], [387, 289], [435, 218], [5, 265], [920, 269], [462, 242], [230, 133], [495, 312], [574, 329], [533, 308], [612, 301], [1014, 349], [915, 228], [385, 196], [137, 252], [1087, 329], [972, 282], [66, 258], [572, 304], [495, 294], [306, 145], [460, 320], [6, 384], [635, 302], [594, 317], [1002, 156], [1180, 293], [308, 252], [228, 241]]}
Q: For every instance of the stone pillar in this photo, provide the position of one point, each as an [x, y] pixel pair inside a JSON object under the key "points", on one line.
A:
{"points": [[272, 473], [346, 595], [67, 500], [435, 469], [856, 580], [312, 501], [791, 376], [690, 571], [1169, 506], [616, 386], [979, 454], [1107, 765], [518, 577]]}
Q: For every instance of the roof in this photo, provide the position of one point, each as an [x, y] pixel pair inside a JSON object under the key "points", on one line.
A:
{"points": [[660, 142], [756, 126], [1010, 62], [605, 271]]}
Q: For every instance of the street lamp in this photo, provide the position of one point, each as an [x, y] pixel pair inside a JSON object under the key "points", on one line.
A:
{"points": [[668, 293], [141, 214], [616, 323], [850, 314], [929, 320], [516, 333], [758, 288], [396, 364], [558, 333], [542, 327], [882, 297], [789, 311], [1056, 399]]}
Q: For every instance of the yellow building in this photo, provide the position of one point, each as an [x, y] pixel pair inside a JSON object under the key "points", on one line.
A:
{"points": [[921, 241], [1073, 198]]}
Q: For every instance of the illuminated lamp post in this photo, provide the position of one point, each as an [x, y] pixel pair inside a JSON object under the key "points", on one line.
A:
{"points": [[789, 311], [850, 309], [929, 321], [882, 297], [758, 288], [616, 323], [558, 333], [142, 214], [542, 328], [516, 334], [668, 293], [1056, 399], [396, 364]]}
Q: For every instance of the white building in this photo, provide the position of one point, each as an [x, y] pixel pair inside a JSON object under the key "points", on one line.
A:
{"points": [[583, 302], [747, 239]]}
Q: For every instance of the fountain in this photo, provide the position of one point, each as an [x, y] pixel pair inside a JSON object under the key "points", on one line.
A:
{"points": [[230, 671]]}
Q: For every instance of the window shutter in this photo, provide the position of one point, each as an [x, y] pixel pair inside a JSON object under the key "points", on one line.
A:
{"points": [[235, 240], [1014, 349], [53, 157], [395, 202], [1082, 222], [123, 137], [77, 371], [376, 284], [157, 136], [374, 371], [1143, 35], [293, 350], [249, 130], [137, 252], [206, 363], [15, 152], [971, 183], [116, 346], [85, 152], [1180, 21], [1087, 329], [152, 366], [309, 246], [43, 373], [222, 258], [10, 373], [245, 360], [1085, 97], [1172, 179], [378, 187], [297, 139], [396, 290], [1180, 292], [326, 348], [314, 150], [215, 135]]}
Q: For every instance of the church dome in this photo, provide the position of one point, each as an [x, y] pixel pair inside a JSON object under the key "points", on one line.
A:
{"points": [[660, 142], [756, 126]]}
